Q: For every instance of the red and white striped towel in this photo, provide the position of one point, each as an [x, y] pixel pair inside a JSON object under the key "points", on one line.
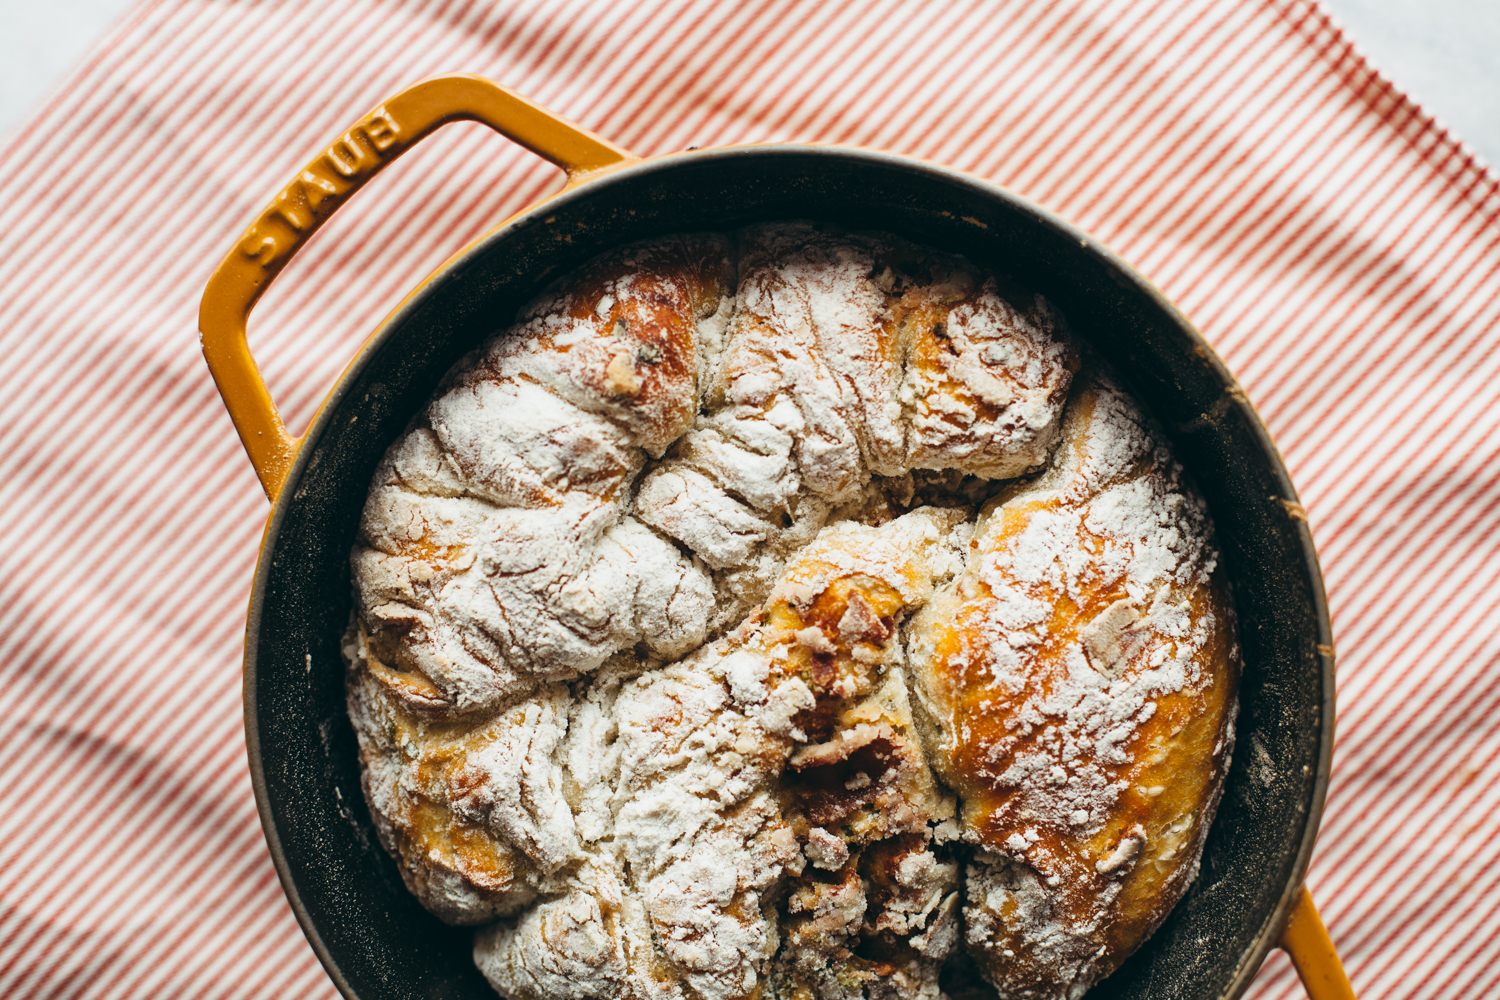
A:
{"points": [[1340, 252]]}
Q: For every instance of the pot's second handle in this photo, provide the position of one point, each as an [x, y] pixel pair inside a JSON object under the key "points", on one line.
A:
{"points": [[1306, 940], [289, 221]]}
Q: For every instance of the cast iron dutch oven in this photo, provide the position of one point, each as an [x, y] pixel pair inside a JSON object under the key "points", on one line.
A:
{"points": [[371, 934]]}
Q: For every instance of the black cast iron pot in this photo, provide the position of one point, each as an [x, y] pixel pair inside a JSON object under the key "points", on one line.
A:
{"points": [[373, 937]]}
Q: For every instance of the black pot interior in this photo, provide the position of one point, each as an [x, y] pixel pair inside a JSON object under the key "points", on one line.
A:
{"points": [[372, 935]]}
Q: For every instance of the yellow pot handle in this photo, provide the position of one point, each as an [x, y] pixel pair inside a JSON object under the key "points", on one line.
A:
{"points": [[317, 191], [1306, 940]]}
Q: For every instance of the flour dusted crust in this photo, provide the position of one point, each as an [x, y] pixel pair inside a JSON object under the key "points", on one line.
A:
{"points": [[760, 615], [1079, 684]]}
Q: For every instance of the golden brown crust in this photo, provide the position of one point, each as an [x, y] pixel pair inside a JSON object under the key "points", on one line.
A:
{"points": [[876, 901], [468, 853], [975, 397], [496, 549], [620, 338], [710, 842], [1080, 679]]}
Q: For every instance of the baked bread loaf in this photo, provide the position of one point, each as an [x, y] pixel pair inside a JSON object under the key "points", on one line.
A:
{"points": [[1078, 688], [775, 613]]}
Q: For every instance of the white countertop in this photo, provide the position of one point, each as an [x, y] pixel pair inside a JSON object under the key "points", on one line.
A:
{"points": [[41, 42], [1443, 53]]}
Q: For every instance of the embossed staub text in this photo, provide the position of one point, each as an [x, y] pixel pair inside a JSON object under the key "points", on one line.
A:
{"points": [[319, 189]]}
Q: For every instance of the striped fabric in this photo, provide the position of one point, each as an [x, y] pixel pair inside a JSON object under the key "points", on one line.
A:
{"points": [[1338, 249]]}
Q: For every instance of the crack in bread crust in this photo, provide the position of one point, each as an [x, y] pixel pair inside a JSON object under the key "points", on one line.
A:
{"points": [[773, 614]]}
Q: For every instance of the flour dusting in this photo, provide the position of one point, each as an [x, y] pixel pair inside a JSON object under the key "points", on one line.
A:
{"points": [[775, 614]]}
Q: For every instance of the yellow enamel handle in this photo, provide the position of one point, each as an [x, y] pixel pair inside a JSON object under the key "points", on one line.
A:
{"points": [[315, 194], [1306, 940]]}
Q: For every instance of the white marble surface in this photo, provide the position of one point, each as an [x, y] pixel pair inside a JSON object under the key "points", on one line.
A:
{"points": [[1445, 53], [41, 42]]}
